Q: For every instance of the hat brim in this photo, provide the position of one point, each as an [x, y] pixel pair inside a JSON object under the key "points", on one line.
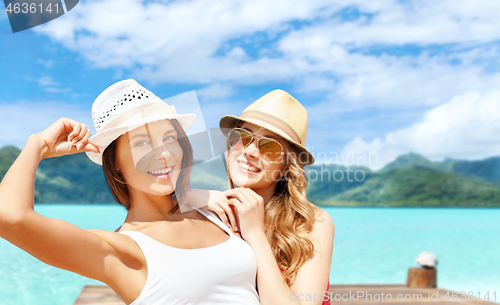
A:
{"points": [[228, 122], [106, 137]]}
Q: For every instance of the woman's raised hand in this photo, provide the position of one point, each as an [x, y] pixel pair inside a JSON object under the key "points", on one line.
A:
{"points": [[64, 137], [240, 208], [250, 212], [216, 202]]}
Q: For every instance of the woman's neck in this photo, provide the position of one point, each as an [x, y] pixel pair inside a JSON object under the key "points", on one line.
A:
{"points": [[146, 208], [266, 193]]}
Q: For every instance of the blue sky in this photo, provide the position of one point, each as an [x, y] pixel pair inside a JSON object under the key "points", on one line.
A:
{"points": [[379, 77]]}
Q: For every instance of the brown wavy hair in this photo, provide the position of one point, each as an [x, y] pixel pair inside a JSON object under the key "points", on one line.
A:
{"points": [[118, 185], [289, 218]]}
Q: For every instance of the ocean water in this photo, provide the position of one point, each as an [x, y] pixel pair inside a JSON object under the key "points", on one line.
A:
{"points": [[25, 280], [378, 245], [371, 246]]}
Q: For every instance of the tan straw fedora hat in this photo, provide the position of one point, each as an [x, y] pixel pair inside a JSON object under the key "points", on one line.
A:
{"points": [[281, 113]]}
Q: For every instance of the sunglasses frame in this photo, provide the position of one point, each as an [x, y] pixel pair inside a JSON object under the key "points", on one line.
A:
{"points": [[278, 160]]}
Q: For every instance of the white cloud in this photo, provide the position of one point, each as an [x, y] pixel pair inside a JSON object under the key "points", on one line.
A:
{"points": [[328, 63], [419, 22], [319, 57], [20, 119], [49, 85], [349, 65], [56, 90], [49, 63], [125, 32], [215, 91], [466, 127], [45, 81]]}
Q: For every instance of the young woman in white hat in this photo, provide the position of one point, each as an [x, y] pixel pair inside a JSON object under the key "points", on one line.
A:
{"points": [[159, 256], [291, 237]]}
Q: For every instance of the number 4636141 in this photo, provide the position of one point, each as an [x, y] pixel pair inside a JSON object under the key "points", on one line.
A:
{"points": [[462, 296], [32, 8]]}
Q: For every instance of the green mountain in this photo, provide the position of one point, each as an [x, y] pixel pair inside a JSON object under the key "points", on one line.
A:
{"points": [[413, 180], [410, 180], [68, 179], [328, 180], [8, 155], [418, 186], [72, 178], [410, 160], [487, 169]]}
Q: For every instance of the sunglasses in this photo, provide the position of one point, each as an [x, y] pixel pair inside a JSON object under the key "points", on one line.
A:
{"points": [[270, 149]]}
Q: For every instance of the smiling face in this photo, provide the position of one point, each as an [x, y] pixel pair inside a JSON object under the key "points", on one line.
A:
{"points": [[150, 158], [249, 168]]}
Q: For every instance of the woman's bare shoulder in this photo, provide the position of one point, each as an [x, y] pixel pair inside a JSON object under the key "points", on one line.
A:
{"points": [[323, 222]]}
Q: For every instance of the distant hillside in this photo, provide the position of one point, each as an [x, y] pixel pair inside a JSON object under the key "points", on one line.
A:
{"points": [[68, 179], [330, 180], [487, 169], [8, 155], [411, 160], [410, 180], [418, 186], [72, 178]]}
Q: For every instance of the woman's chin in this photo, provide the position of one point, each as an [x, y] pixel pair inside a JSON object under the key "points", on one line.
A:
{"points": [[162, 190], [248, 181]]}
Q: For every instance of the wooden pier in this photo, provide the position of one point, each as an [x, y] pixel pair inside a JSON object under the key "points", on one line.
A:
{"points": [[345, 294], [98, 295]]}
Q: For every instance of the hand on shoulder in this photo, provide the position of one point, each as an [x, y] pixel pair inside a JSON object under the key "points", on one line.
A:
{"points": [[215, 201]]}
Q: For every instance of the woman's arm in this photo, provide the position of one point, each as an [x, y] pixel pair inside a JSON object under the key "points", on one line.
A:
{"points": [[312, 278], [52, 241]]}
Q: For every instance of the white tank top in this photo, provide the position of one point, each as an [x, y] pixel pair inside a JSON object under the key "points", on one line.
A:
{"points": [[217, 275]]}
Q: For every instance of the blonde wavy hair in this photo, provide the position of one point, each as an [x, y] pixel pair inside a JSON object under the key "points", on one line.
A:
{"points": [[289, 218]]}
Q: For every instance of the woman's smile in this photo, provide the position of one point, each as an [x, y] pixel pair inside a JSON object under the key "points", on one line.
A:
{"points": [[248, 167], [164, 173]]}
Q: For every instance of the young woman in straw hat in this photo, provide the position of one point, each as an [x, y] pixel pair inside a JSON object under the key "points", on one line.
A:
{"points": [[159, 256], [292, 238]]}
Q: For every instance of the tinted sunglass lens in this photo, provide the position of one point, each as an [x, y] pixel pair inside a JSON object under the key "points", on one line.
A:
{"points": [[232, 138], [270, 149], [238, 138], [246, 137]]}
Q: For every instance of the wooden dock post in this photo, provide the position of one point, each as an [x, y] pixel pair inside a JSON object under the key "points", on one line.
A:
{"points": [[421, 278]]}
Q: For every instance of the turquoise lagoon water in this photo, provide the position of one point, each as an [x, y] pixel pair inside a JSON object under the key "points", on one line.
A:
{"points": [[372, 245]]}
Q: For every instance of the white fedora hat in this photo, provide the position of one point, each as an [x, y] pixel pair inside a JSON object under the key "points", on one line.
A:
{"points": [[124, 106]]}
